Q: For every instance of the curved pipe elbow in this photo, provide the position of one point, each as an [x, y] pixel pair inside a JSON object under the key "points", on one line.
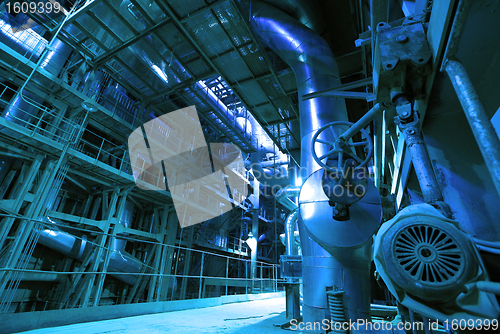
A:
{"points": [[282, 196], [287, 192]]}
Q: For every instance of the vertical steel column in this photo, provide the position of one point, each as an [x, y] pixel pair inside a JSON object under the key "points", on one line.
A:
{"points": [[201, 274], [77, 277], [24, 231], [275, 278], [187, 263], [100, 249], [261, 280], [154, 290], [169, 217], [227, 272], [412, 321], [255, 230], [19, 197], [246, 277], [101, 277]]}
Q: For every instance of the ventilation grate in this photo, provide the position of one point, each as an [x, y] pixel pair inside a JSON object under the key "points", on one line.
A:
{"points": [[428, 254]]}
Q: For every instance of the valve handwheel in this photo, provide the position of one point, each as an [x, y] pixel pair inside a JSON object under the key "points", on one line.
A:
{"points": [[340, 146]]}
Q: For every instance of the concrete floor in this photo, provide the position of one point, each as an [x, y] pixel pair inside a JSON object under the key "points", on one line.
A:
{"points": [[249, 317]]}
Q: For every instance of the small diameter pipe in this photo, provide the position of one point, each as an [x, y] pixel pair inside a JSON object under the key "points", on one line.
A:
{"points": [[480, 123], [488, 249], [290, 232], [492, 244], [487, 286], [422, 164], [362, 122]]}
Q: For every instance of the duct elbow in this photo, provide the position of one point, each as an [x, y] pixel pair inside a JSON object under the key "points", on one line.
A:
{"points": [[287, 192]]}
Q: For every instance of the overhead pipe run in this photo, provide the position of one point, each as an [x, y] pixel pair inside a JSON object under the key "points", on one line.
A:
{"points": [[315, 70]]}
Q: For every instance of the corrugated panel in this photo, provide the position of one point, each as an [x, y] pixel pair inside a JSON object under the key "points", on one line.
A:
{"points": [[112, 22], [288, 82], [252, 91], [174, 40], [253, 58], [272, 90], [184, 7], [284, 107], [142, 71], [232, 23], [96, 31], [129, 77], [209, 34], [153, 10], [201, 105], [76, 34], [198, 67], [267, 113], [92, 47], [233, 68]]}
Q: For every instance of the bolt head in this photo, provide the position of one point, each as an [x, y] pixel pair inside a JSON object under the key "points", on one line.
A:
{"points": [[412, 132], [405, 114], [402, 39]]}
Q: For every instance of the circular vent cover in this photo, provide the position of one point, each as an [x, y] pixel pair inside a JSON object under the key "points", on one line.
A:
{"points": [[429, 259]]}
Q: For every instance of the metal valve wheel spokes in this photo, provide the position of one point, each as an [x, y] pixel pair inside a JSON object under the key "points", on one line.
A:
{"points": [[340, 146]]}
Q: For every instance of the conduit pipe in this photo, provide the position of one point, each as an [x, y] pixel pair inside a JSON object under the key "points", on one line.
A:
{"points": [[282, 196], [290, 232], [42, 277], [315, 69]]}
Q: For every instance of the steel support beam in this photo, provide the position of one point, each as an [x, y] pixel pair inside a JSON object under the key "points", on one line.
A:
{"points": [[89, 4], [340, 90]]}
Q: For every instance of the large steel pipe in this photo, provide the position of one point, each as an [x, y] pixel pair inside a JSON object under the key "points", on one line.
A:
{"points": [[315, 70]]}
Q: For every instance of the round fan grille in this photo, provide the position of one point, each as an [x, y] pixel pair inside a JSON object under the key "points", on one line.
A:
{"points": [[429, 258], [428, 254]]}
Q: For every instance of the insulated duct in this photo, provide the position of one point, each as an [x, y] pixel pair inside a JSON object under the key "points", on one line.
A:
{"points": [[77, 248], [20, 110], [24, 105], [309, 15], [315, 70]]}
